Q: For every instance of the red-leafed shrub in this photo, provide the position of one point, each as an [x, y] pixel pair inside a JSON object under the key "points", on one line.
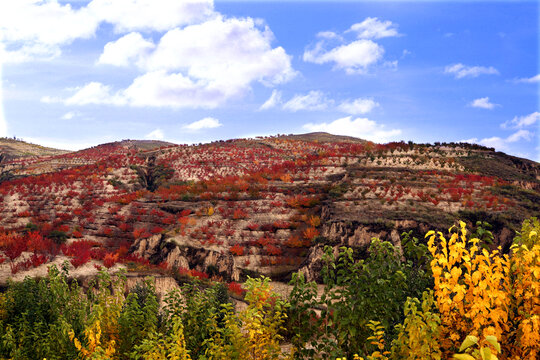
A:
{"points": [[63, 228], [253, 227], [110, 259], [237, 250], [23, 214], [273, 250], [198, 274], [124, 227], [80, 250], [240, 214], [156, 230], [139, 233], [36, 243], [77, 234], [236, 288], [185, 212], [310, 233]]}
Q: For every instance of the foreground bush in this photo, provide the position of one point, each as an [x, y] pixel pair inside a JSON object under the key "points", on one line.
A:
{"points": [[450, 299]]}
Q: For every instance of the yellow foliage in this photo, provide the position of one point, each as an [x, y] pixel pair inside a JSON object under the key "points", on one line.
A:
{"points": [[167, 347], [252, 334], [471, 287], [487, 295]]}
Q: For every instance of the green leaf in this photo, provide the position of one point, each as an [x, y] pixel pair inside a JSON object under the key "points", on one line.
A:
{"points": [[468, 342]]}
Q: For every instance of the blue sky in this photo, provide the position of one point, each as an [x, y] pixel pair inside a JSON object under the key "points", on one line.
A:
{"points": [[79, 73]]}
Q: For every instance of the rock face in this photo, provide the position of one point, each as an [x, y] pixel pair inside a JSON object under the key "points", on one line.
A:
{"points": [[157, 249]]}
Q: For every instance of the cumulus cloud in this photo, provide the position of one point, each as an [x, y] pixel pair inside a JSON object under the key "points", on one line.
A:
{"points": [[502, 144], [157, 134], [483, 103], [522, 121], [200, 54], [373, 28], [360, 127], [206, 123], [534, 79], [158, 15], [358, 106], [462, 71], [312, 101], [273, 100], [129, 48], [356, 56], [226, 58], [33, 29], [37, 29], [94, 93]]}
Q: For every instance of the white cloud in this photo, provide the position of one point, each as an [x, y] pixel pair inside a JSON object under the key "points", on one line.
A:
{"points": [[358, 106], [502, 144], [354, 58], [155, 135], [314, 100], [534, 79], [360, 127], [50, 99], [44, 22], [372, 28], [522, 121], [36, 29], [93, 93], [158, 15], [483, 103], [244, 48], [328, 35], [198, 66], [518, 135], [461, 71], [3, 122], [69, 115], [131, 47], [206, 123], [273, 100], [160, 89], [29, 52]]}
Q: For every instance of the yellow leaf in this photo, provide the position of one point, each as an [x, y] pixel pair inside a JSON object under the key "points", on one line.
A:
{"points": [[463, 357]]}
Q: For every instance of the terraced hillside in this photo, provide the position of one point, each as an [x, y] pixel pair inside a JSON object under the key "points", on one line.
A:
{"points": [[248, 206]]}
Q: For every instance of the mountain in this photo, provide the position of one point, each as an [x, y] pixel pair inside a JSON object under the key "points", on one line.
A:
{"points": [[249, 206]]}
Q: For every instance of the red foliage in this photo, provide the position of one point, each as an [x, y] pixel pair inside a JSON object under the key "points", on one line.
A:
{"points": [[273, 250], [310, 233], [156, 230], [110, 259], [239, 214], [236, 288], [237, 250], [80, 250]]}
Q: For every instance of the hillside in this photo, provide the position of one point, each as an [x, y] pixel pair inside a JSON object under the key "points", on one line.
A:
{"points": [[11, 149], [242, 207]]}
